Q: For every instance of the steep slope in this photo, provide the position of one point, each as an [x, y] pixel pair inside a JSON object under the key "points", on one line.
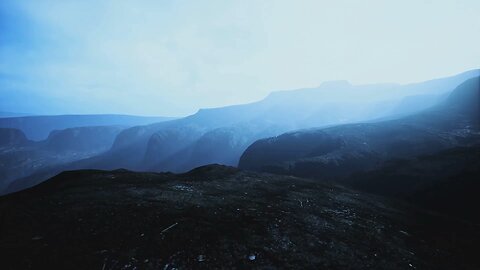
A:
{"points": [[12, 137], [39, 127], [219, 217], [338, 151], [84, 139], [222, 145], [167, 142], [175, 149]]}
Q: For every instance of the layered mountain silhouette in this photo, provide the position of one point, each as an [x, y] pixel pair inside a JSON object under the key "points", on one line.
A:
{"points": [[373, 177], [430, 158], [221, 135], [20, 157], [38, 128], [336, 152], [219, 217], [141, 148]]}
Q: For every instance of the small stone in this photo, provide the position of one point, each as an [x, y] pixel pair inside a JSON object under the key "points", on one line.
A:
{"points": [[201, 258], [252, 257]]}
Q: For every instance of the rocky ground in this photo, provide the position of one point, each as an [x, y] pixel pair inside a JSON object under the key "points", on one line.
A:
{"points": [[219, 217]]}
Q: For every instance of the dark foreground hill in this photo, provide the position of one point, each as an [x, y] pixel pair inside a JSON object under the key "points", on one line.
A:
{"points": [[447, 181], [219, 217]]}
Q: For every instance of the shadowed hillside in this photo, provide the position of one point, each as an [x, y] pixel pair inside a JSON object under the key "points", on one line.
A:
{"points": [[446, 181]]}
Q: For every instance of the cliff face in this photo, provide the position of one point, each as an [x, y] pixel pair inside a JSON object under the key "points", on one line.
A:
{"points": [[83, 139], [12, 137]]}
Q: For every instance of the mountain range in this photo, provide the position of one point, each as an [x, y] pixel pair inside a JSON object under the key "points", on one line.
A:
{"points": [[221, 135], [340, 150], [38, 127], [336, 177]]}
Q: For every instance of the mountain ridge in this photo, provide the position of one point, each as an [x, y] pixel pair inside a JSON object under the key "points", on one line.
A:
{"points": [[363, 146], [236, 127], [38, 127]]}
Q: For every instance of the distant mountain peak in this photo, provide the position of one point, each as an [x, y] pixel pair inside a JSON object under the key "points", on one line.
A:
{"points": [[336, 84]]}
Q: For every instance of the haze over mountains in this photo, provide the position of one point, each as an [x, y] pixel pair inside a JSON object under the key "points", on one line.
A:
{"points": [[416, 146], [218, 135], [39, 127], [338, 151], [20, 157], [322, 135], [31, 143]]}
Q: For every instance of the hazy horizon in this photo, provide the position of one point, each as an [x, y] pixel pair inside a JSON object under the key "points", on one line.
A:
{"points": [[172, 58]]}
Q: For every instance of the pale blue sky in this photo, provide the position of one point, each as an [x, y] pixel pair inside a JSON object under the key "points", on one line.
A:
{"points": [[174, 57]]}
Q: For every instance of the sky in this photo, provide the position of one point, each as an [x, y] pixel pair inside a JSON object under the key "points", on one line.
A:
{"points": [[172, 58]]}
